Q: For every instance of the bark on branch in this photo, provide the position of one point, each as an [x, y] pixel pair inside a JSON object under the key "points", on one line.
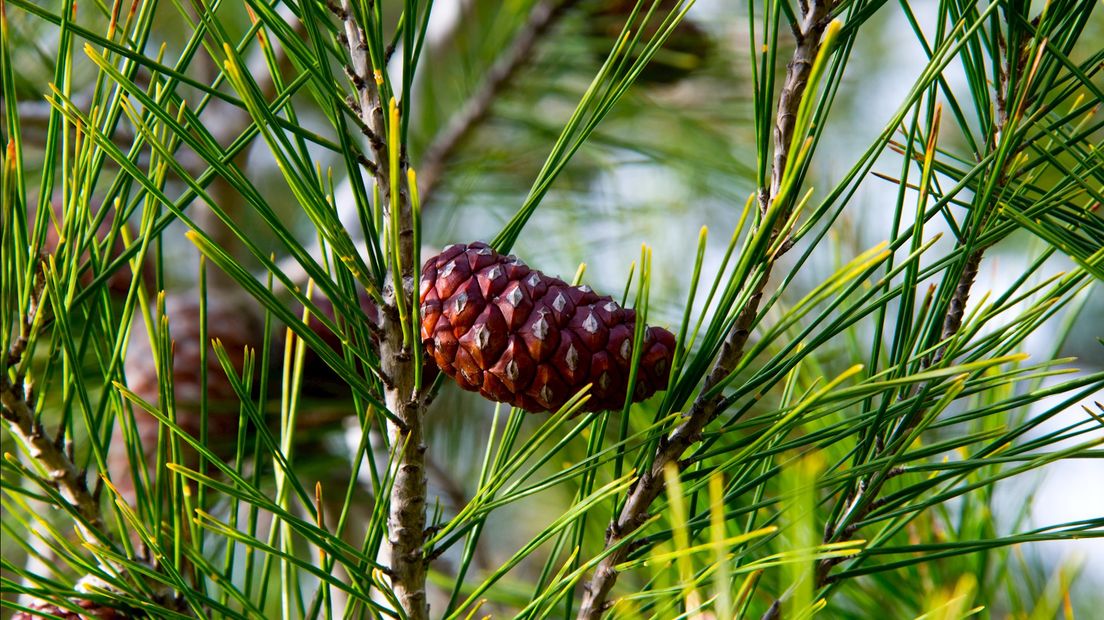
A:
{"points": [[650, 483], [406, 516], [17, 409]]}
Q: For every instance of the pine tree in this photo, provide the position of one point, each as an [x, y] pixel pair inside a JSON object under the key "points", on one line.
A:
{"points": [[232, 343]]}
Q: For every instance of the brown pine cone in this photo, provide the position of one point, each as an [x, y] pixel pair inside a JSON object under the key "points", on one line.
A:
{"points": [[232, 319], [318, 380], [89, 610], [520, 337]]}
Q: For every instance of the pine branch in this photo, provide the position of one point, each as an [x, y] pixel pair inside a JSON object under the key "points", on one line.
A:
{"points": [[463, 123], [476, 109], [18, 411], [407, 515], [873, 485], [17, 408], [706, 408]]}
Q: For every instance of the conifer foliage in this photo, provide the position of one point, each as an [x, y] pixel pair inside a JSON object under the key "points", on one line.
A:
{"points": [[240, 379]]}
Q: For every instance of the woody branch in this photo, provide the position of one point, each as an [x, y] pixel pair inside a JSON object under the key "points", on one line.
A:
{"points": [[808, 34], [406, 517]]}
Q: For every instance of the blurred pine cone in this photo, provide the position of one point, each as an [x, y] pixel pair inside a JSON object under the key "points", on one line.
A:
{"points": [[89, 609], [318, 379], [231, 318], [520, 337]]}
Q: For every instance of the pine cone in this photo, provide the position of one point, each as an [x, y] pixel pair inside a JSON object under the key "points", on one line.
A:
{"points": [[232, 319], [319, 380], [520, 337], [89, 610]]}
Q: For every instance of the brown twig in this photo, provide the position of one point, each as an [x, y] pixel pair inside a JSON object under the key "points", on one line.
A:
{"points": [[18, 411], [406, 512], [478, 106], [705, 408]]}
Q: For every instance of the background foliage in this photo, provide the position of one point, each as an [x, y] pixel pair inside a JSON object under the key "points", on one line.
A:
{"points": [[853, 428]]}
